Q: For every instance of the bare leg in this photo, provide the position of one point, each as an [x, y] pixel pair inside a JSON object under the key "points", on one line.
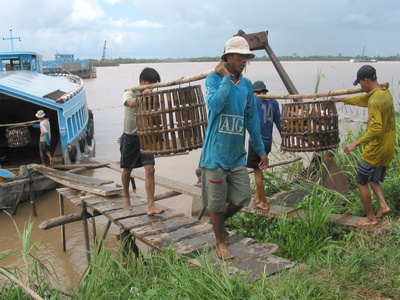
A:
{"points": [[42, 157], [125, 179], [263, 204], [217, 221], [367, 202], [384, 208], [150, 189], [230, 210], [49, 156]]}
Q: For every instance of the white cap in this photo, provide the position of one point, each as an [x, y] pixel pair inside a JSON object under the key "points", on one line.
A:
{"points": [[237, 44]]}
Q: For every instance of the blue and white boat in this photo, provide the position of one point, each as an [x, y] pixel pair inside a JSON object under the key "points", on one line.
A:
{"points": [[24, 90]]}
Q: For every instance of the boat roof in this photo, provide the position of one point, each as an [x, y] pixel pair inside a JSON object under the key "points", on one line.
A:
{"points": [[18, 53], [27, 83]]}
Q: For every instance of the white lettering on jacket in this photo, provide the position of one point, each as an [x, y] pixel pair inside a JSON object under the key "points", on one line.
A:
{"points": [[231, 124]]}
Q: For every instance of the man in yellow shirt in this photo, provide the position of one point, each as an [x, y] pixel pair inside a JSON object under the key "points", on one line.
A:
{"points": [[378, 141]]}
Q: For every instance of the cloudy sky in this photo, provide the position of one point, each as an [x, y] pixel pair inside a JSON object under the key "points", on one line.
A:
{"points": [[188, 28]]}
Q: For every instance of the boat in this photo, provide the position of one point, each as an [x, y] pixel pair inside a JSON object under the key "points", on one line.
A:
{"points": [[66, 63], [24, 90]]}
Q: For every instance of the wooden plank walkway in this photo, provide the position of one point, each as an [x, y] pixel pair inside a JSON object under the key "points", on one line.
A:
{"points": [[173, 230]]}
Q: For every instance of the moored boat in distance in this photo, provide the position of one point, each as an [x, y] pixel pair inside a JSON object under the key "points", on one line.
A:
{"points": [[66, 63], [24, 90]]}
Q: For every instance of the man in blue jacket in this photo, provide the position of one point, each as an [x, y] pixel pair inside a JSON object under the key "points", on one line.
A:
{"points": [[269, 114], [231, 111]]}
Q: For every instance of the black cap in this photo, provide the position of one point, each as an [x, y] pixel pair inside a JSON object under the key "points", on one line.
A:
{"points": [[365, 71], [259, 86]]}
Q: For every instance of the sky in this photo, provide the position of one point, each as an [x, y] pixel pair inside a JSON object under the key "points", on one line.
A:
{"points": [[187, 28]]}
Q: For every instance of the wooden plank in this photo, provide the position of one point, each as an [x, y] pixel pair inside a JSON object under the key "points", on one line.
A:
{"points": [[70, 176], [167, 229], [192, 246], [97, 190], [180, 187], [87, 166], [274, 211], [165, 239], [144, 220]]}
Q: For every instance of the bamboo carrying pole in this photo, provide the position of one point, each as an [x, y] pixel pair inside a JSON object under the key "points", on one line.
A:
{"points": [[319, 95], [187, 79], [22, 123]]}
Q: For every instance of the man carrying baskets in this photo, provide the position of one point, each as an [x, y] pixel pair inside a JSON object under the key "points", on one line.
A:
{"points": [[231, 111], [378, 141], [130, 147]]}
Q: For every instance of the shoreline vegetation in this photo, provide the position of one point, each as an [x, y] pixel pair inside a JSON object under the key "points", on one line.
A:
{"points": [[294, 57]]}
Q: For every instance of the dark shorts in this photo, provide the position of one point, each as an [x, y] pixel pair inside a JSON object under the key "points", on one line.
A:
{"points": [[43, 146], [220, 186], [367, 173], [131, 158], [253, 159]]}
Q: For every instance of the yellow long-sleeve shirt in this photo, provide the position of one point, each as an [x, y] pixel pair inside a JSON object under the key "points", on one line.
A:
{"points": [[379, 140]]}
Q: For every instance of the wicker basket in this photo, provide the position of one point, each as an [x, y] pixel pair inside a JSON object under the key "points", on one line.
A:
{"points": [[171, 121], [309, 126], [18, 136]]}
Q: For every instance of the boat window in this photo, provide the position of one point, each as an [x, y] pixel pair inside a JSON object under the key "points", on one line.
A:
{"points": [[74, 124], [70, 129], [78, 120], [11, 64], [26, 65]]}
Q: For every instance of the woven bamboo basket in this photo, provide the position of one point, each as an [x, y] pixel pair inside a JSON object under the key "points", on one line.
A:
{"points": [[171, 121], [309, 126], [18, 136]]}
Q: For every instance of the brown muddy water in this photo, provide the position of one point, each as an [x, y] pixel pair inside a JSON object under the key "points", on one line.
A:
{"points": [[104, 95]]}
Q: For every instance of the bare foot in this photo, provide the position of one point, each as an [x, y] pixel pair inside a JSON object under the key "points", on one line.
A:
{"points": [[223, 252], [226, 236], [255, 200], [127, 204], [155, 211], [382, 212], [51, 161], [127, 207], [263, 206], [367, 222]]}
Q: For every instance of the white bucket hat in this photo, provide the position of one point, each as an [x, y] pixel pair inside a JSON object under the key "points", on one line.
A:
{"points": [[237, 44], [40, 114]]}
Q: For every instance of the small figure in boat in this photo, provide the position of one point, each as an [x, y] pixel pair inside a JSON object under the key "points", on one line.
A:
{"points": [[45, 137]]}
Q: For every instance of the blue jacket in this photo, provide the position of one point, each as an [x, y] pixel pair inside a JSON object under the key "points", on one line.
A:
{"points": [[268, 113], [231, 111]]}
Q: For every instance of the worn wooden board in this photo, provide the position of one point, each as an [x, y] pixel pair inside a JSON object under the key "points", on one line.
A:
{"points": [[180, 187], [166, 239], [70, 176], [97, 190], [159, 229]]}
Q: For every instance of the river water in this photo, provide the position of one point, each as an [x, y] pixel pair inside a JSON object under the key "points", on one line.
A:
{"points": [[104, 95]]}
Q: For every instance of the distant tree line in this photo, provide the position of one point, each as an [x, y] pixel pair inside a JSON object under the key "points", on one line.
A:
{"points": [[293, 57]]}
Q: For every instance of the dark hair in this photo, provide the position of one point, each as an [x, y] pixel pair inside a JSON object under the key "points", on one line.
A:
{"points": [[150, 75]]}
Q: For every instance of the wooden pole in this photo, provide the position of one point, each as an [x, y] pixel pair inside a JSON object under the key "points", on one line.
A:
{"points": [[32, 198], [22, 123], [319, 95], [85, 230], [61, 204], [27, 290], [173, 82]]}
